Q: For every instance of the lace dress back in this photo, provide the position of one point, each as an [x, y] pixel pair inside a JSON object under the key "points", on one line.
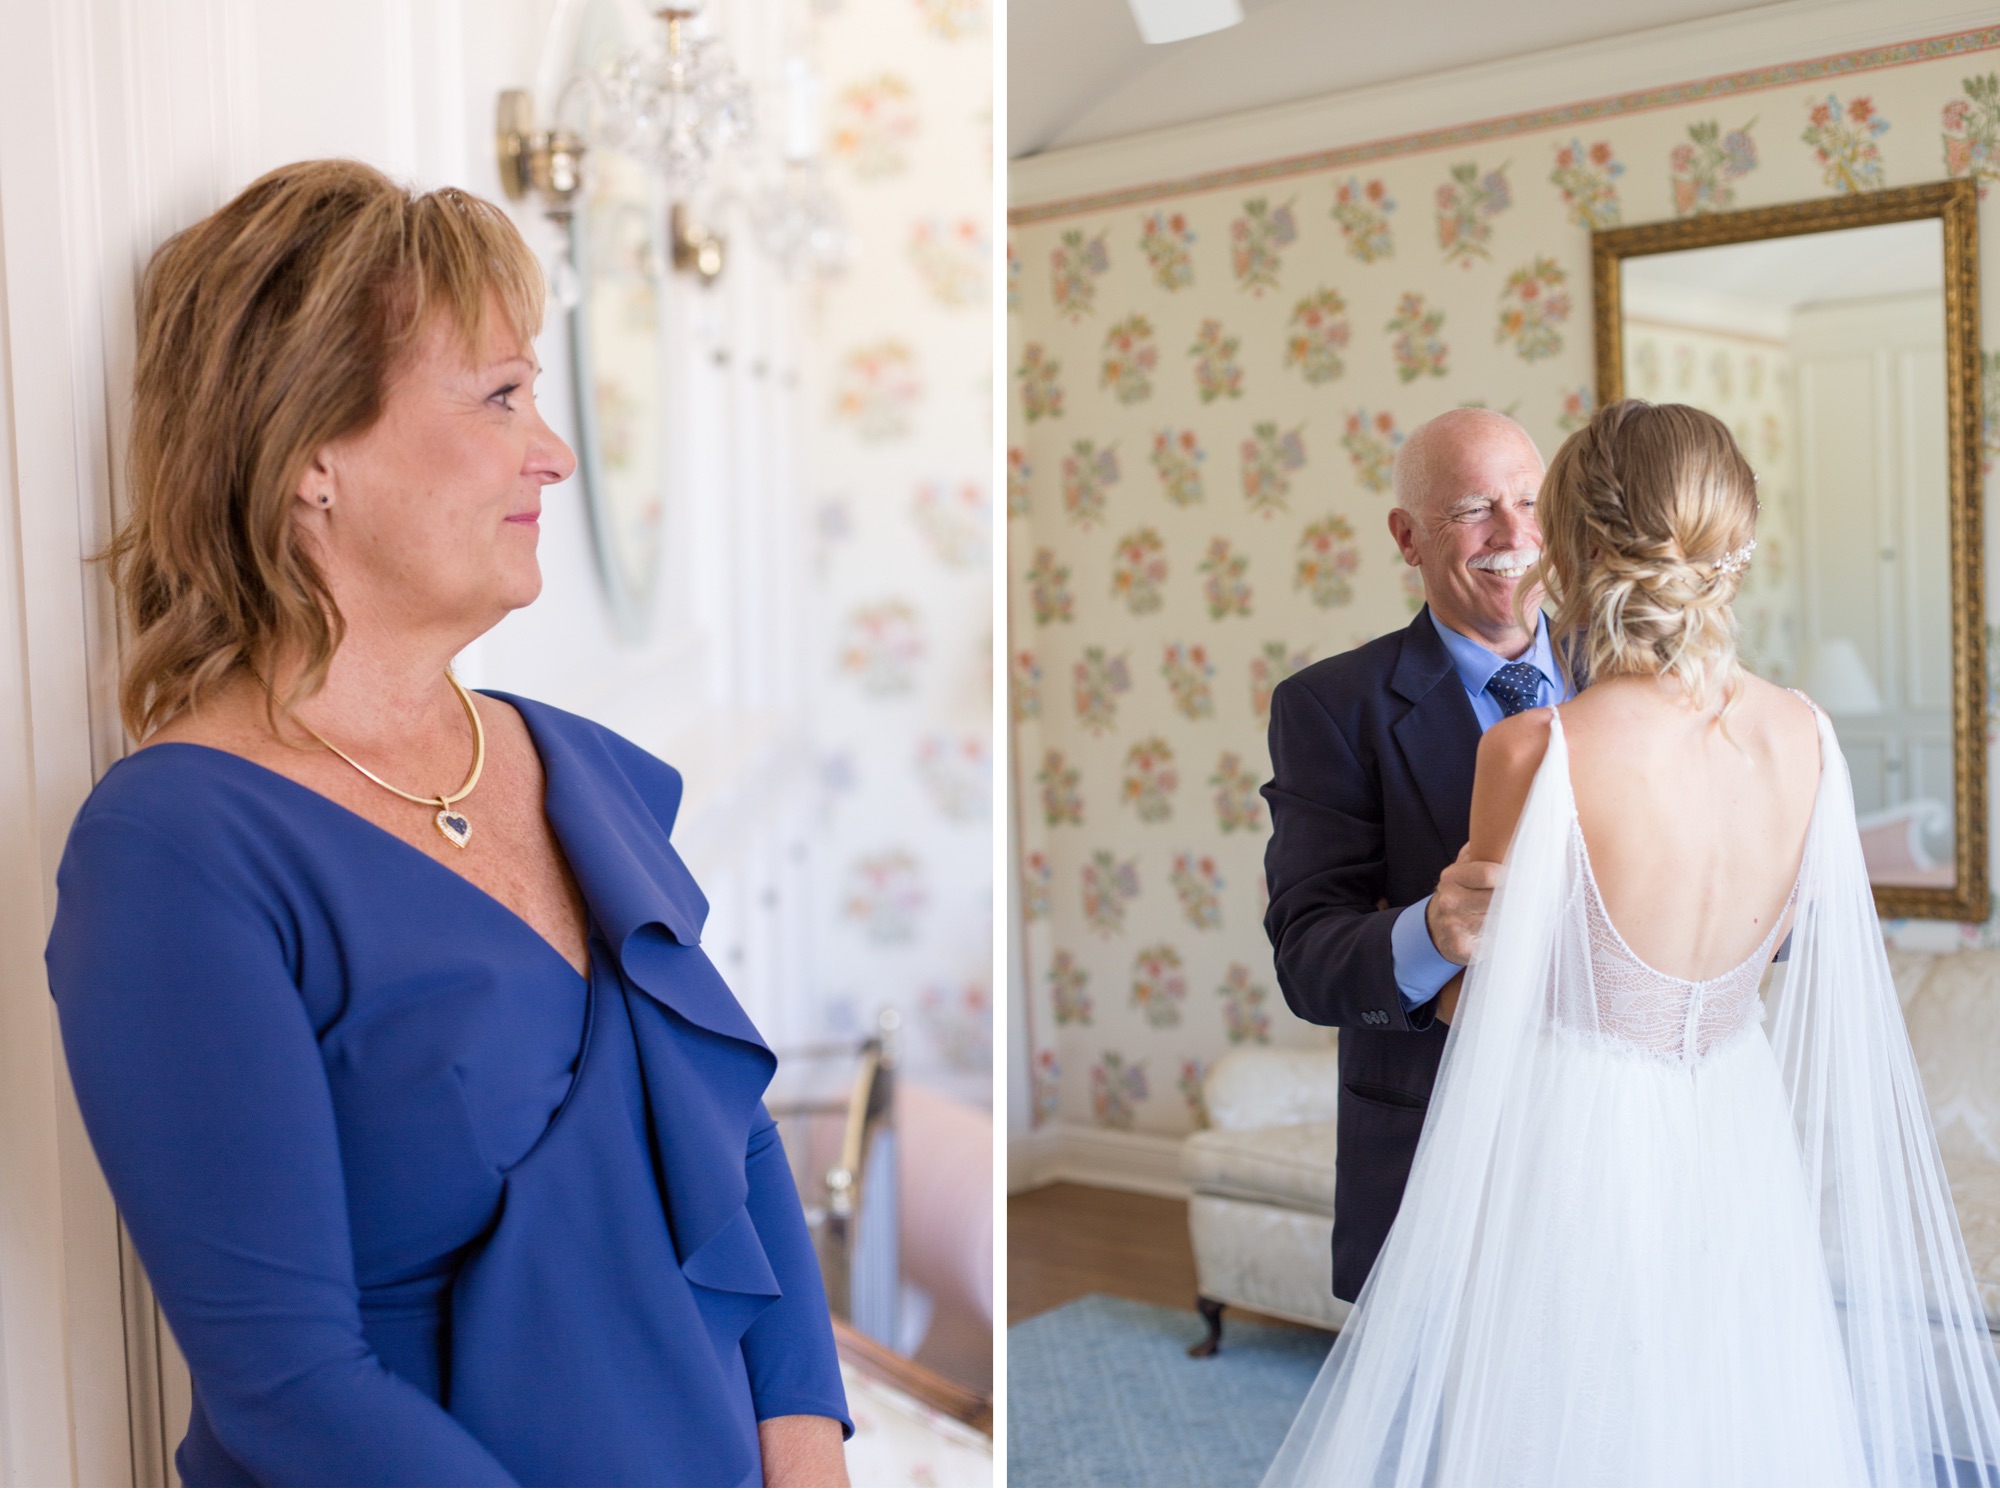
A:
{"points": [[1680, 1019], [1606, 990]]}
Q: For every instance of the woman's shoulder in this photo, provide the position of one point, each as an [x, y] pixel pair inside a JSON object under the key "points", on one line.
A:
{"points": [[1790, 703], [194, 774], [1785, 719], [212, 783], [182, 824], [179, 789], [202, 819]]}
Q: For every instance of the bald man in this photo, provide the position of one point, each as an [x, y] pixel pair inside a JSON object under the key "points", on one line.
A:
{"points": [[1374, 911]]}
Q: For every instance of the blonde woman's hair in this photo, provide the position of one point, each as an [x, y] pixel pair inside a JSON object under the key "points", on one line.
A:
{"points": [[268, 330], [1644, 514]]}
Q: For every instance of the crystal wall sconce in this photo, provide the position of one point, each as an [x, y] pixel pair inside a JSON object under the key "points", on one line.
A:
{"points": [[680, 109], [548, 165]]}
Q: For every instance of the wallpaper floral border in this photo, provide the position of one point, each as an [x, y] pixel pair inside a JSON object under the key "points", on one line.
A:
{"points": [[1208, 383], [901, 385], [1754, 80]]}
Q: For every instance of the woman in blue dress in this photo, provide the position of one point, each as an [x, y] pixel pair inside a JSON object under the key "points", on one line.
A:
{"points": [[441, 1139]]}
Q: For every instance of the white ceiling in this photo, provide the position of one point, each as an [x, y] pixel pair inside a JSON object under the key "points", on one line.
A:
{"points": [[1899, 258], [1754, 288], [1077, 72]]}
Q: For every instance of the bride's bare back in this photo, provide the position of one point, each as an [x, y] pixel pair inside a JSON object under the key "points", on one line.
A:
{"points": [[1694, 835]]}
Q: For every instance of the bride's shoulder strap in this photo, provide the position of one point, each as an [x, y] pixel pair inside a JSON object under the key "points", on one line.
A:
{"points": [[1822, 725], [1821, 719]]}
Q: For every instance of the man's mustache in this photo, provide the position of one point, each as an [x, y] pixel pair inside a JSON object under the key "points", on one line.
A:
{"points": [[1513, 558]]}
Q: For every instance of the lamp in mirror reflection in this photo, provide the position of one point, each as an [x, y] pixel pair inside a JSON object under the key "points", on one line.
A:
{"points": [[1838, 680]]}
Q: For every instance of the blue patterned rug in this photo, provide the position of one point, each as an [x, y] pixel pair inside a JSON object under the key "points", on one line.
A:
{"points": [[1103, 1392]]}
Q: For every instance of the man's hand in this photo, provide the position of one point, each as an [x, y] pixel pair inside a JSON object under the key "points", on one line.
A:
{"points": [[1457, 909]]}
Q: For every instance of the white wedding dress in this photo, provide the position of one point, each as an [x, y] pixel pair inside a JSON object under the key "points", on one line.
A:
{"points": [[1644, 1243]]}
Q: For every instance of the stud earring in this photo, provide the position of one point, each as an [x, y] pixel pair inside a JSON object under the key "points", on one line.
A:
{"points": [[325, 500]]}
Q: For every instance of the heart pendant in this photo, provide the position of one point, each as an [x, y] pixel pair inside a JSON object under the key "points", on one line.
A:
{"points": [[454, 825]]}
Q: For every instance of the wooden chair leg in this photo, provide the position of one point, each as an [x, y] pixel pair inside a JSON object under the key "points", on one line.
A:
{"points": [[1211, 1313]]}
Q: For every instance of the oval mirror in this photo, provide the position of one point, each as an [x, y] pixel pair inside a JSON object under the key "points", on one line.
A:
{"points": [[618, 372]]}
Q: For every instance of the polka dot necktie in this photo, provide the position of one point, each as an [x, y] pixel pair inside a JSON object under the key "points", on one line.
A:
{"points": [[1516, 686]]}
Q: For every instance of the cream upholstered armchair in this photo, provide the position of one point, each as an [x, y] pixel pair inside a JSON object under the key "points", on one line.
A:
{"points": [[1951, 1002], [1260, 1175], [1260, 1210]]}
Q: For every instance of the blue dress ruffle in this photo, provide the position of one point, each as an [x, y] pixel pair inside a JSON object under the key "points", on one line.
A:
{"points": [[422, 1205]]}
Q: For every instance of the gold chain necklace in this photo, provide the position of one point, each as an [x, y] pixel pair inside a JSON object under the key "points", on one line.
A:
{"points": [[455, 826]]}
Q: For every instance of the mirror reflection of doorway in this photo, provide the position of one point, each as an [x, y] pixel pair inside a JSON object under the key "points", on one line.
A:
{"points": [[1825, 355]]}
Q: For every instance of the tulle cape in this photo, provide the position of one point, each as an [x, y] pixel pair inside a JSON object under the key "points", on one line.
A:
{"points": [[1391, 1407]]}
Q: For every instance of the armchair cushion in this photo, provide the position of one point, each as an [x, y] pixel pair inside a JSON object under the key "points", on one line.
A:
{"points": [[1289, 1166], [1264, 1087], [1909, 969], [1954, 1020], [1975, 1190]]}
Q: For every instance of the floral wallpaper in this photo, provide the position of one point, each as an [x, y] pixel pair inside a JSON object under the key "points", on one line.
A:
{"points": [[900, 385], [1207, 390]]}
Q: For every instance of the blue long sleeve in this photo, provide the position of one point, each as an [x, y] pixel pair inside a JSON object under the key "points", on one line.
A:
{"points": [[1421, 970], [203, 1089], [788, 1349]]}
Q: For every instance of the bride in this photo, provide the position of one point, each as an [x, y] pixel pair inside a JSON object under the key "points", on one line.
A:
{"points": [[1653, 1236]]}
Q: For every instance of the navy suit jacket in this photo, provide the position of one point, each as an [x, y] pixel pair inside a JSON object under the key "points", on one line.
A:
{"points": [[1372, 756]]}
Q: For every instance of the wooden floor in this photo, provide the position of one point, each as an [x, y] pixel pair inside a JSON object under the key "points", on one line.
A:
{"points": [[1064, 1241]]}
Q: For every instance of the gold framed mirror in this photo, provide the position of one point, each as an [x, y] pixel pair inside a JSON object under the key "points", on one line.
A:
{"points": [[1839, 340]]}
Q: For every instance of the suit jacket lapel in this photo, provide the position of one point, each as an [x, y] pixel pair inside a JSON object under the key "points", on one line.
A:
{"points": [[1439, 736]]}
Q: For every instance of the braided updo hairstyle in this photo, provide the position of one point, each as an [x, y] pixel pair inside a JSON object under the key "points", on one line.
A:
{"points": [[1639, 512]]}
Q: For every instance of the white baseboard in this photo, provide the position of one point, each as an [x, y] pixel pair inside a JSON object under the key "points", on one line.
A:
{"points": [[1029, 1156], [1149, 1163]]}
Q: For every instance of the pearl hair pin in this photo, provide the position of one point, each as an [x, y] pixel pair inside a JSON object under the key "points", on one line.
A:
{"points": [[1736, 560]]}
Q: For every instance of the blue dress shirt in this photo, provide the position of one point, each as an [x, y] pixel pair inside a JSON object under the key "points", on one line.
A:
{"points": [[1421, 970], [423, 1205]]}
